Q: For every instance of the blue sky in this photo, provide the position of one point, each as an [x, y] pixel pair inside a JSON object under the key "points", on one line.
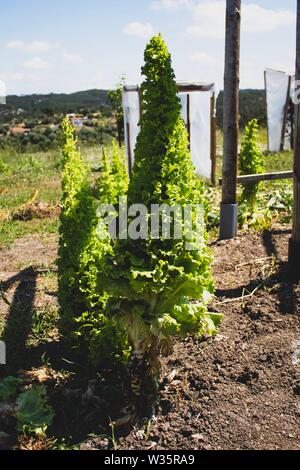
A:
{"points": [[70, 45]]}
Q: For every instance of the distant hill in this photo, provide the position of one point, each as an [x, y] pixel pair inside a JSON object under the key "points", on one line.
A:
{"points": [[61, 103], [252, 105], [32, 122]]}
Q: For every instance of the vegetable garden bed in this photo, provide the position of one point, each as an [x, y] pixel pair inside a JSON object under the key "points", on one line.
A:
{"points": [[239, 390]]}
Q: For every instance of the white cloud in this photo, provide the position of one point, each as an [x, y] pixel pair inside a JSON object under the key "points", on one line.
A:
{"points": [[203, 58], [36, 64], [32, 47], [171, 4], [136, 28], [209, 19], [72, 57], [258, 19], [15, 45]]}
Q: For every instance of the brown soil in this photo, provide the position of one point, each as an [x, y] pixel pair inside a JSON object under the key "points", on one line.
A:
{"points": [[22, 274], [30, 211], [33, 250], [39, 210], [239, 390]]}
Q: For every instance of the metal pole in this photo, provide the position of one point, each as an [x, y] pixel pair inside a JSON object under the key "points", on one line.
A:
{"points": [[294, 243], [228, 216]]}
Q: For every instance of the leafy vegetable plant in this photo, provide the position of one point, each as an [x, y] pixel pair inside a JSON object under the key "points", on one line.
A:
{"points": [[76, 222], [158, 288], [32, 410], [251, 162], [30, 407], [9, 387], [83, 244]]}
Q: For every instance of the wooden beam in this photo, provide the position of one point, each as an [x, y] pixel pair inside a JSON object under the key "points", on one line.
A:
{"points": [[131, 88], [228, 223], [249, 179], [190, 87], [182, 87], [294, 247]]}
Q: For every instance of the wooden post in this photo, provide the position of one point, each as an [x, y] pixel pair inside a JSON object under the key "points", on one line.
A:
{"points": [[129, 149], [285, 115], [266, 99], [294, 245], [188, 121], [228, 219], [140, 102], [213, 141]]}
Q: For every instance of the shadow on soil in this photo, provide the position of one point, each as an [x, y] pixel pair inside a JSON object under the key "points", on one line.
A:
{"points": [[279, 280], [86, 401], [19, 318]]}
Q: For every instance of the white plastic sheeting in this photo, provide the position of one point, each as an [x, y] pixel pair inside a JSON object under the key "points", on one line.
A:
{"points": [[200, 125], [277, 90], [200, 116], [131, 106], [200, 128]]}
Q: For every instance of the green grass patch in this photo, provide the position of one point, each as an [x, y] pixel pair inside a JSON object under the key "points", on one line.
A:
{"points": [[22, 175], [43, 325], [11, 230]]}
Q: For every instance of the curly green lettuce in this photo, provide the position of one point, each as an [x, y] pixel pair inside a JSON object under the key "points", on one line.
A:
{"points": [[33, 411]]}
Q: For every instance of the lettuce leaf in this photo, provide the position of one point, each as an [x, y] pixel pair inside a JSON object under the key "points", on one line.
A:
{"points": [[9, 387], [33, 410]]}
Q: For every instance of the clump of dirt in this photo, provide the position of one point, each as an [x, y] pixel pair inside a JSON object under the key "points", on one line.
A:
{"points": [[38, 210]]}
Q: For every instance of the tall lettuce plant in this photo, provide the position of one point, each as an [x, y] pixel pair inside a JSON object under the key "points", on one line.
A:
{"points": [[158, 288], [251, 162], [83, 244], [76, 222], [251, 214]]}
